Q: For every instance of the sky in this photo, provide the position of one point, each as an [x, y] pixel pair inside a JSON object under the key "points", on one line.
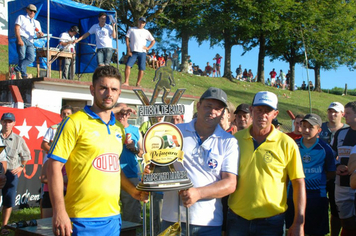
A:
{"points": [[201, 54]]}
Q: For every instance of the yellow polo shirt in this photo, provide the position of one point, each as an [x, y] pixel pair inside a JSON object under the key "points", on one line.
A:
{"points": [[263, 174]]}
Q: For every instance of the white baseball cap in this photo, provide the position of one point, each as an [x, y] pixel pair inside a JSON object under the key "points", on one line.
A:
{"points": [[338, 107], [265, 98]]}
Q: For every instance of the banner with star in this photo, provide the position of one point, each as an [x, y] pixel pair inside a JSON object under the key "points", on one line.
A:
{"points": [[31, 124]]}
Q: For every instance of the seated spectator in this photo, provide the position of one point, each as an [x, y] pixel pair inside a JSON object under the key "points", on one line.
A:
{"points": [[161, 61], [249, 75], [197, 71], [208, 70], [190, 68], [154, 61], [304, 86], [311, 86], [268, 82], [245, 75]]}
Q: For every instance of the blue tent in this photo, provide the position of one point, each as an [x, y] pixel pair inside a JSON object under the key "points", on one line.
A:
{"points": [[63, 15]]}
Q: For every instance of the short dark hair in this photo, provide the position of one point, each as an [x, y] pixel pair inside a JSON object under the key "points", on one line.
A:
{"points": [[67, 107], [106, 71], [102, 14], [351, 105], [301, 116]]}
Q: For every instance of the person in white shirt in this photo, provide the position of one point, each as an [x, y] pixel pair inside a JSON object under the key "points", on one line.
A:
{"points": [[136, 39], [67, 44], [104, 34], [26, 28]]}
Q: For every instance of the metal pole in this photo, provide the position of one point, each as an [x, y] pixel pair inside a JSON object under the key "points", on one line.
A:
{"points": [[151, 215], [144, 226], [117, 43], [48, 30], [187, 221], [179, 215]]}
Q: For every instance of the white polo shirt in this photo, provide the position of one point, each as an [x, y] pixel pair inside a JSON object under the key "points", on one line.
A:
{"points": [[65, 37], [138, 39], [218, 153], [28, 26], [103, 35]]}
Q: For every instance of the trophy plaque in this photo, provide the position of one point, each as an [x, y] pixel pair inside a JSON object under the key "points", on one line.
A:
{"points": [[2, 147], [163, 145]]}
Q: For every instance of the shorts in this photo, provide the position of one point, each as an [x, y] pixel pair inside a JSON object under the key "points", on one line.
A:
{"points": [[344, 199], [141, 57], [316, 216], [9, 191], [97, 226]]}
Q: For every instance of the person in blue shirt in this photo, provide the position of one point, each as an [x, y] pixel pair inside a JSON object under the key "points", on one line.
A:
{"points": [[319, 166]]}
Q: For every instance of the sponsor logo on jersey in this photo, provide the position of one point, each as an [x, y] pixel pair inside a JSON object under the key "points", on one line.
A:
{"points": [[108, 162]]}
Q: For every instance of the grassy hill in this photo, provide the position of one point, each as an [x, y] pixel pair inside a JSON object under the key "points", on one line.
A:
{"points": [[238, 92]]}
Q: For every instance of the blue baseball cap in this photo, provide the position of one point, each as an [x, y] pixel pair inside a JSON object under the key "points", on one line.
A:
{"points": [[8, 116]]}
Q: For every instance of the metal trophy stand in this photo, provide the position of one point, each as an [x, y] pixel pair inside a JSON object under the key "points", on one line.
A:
{"points": [[151, 217], [163, 144]]}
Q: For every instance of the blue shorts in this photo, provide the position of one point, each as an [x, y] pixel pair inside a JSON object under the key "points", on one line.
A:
{"points": [[97, 226], [10, 189], [141, 57], [316, 216]]}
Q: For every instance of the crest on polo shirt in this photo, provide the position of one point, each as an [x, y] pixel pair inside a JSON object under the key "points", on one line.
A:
{"points": [[212, 163], [268, 157]]}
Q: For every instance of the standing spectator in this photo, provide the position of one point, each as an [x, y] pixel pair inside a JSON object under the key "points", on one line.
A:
{"points": [[17, 155], [239, 73], [214, 69], [26, 28], [343, 142], [131, 207], [319, 166], [328, 130], [218, 64], [104, 34], [136, 39], [175, 60], [46, 206], [177, 119], [273, 75], [270, 158], [211, 160], [66, 43], [243, 118], [288, 77], [282, 78], [179, 51], [297, 132], [90, 142]]}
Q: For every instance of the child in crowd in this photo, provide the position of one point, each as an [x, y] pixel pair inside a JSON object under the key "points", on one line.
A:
{"points": [[214, 69], [319, 166]]}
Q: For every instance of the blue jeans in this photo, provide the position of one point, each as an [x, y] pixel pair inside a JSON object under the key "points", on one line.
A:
{"points": [[103, 56], [26, 55], [238, 226], [175, 64], [195, 230], [67, 69]]}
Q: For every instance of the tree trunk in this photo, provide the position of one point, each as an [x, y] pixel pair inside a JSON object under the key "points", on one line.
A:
{"points": [[261, 60], [317, 78], [227, 68], [292, 76], [185, 41]]}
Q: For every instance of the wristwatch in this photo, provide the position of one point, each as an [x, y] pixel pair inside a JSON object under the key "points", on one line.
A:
{"points": [[22, 166]]}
